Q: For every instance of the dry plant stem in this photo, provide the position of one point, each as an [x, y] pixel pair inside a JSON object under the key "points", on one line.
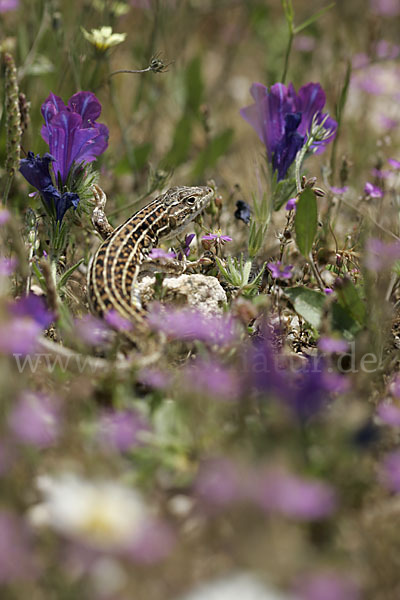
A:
{"points": [[316, 272], [49, 274]]}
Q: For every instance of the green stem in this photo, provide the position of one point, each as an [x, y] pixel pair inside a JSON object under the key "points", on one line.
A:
{"points": [[316, 272], [7, 189], [287, 55]]}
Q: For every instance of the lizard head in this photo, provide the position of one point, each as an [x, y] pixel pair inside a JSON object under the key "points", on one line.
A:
{"points": [[183, 204]]}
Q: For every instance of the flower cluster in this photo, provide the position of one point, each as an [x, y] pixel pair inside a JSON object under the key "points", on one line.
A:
{"points": [[284, 119]]}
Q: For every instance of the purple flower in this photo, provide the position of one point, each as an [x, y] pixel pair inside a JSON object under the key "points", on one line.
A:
{"points": [[35, 420], [217, 238], [373, 191], [291, 204], [159, 253], [154, 378], [380, 255], [7, 266], [188, 324], [185, 249], [36, 171], [293, 496], [339, 190], [278, 271], [394, 163], [19, 336], [242, 212], [282, 119], [72, 132], [330, 344], [34, 307], [326, 586], [211, 379], [395, 387], [328, 291], [4, 216], [91, 330], [8, 5], [390, 471], [389, 414], [117, 321], [121, 430], [385, 8], [380, 174], [16, 556], [219, 482]]}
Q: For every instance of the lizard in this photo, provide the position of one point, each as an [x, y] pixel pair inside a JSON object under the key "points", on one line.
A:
{"points": [[114, 268]]}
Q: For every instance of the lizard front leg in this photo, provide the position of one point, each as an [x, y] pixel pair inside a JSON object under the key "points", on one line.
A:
{"points": [[99, 219]]}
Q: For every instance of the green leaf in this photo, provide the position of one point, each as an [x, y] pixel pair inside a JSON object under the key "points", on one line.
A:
{"points": [[194, 85], [313, 18], [180, 147], [214, 150], [64, 278], [343, 322], [309, 304], [349, 299], [306, 221]]}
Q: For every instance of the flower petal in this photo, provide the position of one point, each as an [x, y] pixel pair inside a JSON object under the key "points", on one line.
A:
{"points": [[86, 105]]}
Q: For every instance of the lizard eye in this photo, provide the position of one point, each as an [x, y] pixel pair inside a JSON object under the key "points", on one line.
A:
{"points": [[191, 200]]}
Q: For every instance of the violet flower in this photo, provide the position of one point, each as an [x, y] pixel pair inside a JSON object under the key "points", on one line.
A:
{"points": [[216, 238], [35, 420], [34, 307], [159, 253], [279, 271], [8, 5], [389, 414], [121, 430], [117, 321], [283, 119], [185, 249], [72, 132], [373, 191], [36, 171], [291, 204], [394, 163], [380, 255]]}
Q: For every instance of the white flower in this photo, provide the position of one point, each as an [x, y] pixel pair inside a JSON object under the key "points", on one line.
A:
{"points": [[239, 586], [103, 38], [102, 513]]}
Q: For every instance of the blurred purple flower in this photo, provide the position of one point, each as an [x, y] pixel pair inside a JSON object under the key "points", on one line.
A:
{"points": [[390, 471], [242, 212], [159, 253], [304, 43], [293, 496], [186, 246], [36, 171], [36, 420], [373, 191], [19, 336], [121, 430], [154, 542], [339, 190], [72, 132], [388, 122], [278, 271], [394, 163], [4, 216], [117, 321], [189, 324], [395, 387], [326, 586], [16, 553], [291, 204], [385, 50], [282, 119], [211, 379], [385, 8], [7, 266], [330, 344], [34, 307], [91, 330], [379, 255], [8, 5], [389, 414], [154, 378], [328, 291], [219, 482], [380, 174]]}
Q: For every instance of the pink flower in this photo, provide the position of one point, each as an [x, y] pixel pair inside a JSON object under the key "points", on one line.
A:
{"points": [[35, 420], [8, 5], [394, 163], [373, 191], [117, 321], [278, 271], [389, 414]]}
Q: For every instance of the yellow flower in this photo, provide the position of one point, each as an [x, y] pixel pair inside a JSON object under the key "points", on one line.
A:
{"points": [[103, 38]]}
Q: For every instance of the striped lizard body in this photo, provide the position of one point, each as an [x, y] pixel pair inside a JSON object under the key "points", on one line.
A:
{"points": [[113, 272]]}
